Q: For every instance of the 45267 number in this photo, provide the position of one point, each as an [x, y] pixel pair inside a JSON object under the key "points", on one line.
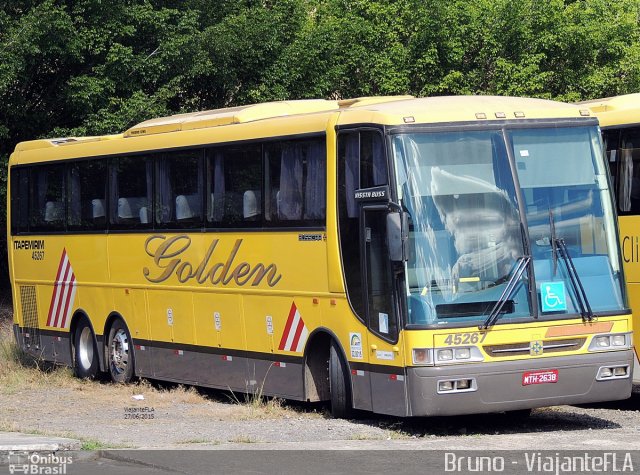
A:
{"points": [[465, 338]]}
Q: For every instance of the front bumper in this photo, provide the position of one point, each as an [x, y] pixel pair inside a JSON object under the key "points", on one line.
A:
{"points": [[499, 387]]}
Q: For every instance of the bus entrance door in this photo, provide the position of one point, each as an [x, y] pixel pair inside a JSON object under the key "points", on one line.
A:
{"points": [[387, 376]]}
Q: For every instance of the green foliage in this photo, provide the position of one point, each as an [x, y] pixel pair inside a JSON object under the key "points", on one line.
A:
{"points": [[84, 67]]}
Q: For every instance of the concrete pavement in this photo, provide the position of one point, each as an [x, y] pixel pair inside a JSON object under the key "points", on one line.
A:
{"points": [[17, 441]]}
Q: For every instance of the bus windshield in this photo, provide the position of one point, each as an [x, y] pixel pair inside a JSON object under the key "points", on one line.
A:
{"points": [[566, 192], [466, 237]]}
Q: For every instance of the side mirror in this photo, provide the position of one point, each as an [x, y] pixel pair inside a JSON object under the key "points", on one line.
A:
{"points": [[398, 236]]}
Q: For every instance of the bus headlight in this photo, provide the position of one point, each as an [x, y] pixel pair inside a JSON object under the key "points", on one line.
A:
{"points": [[431, 356], [618, 340], [612, 341], [461, 354]]}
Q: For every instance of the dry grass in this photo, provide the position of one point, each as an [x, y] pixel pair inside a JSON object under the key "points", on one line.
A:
{"points": [[41, 398], [24, 376], [19, 371], [243, 439]]}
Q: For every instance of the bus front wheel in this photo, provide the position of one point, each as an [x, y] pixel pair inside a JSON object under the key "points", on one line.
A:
{"points": [[339, 385], [85, 358], [120, 353]]}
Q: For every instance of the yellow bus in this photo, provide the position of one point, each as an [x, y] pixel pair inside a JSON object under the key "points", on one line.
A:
{"points": [[405, 256], [620, 123]]}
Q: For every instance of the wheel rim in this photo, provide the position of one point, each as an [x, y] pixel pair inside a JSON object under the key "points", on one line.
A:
{"points": [[120, 351], [85, 348]]}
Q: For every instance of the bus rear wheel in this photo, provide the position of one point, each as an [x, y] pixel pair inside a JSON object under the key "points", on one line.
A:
{"points": [[339, 384], [120, 353], [85, 355]]}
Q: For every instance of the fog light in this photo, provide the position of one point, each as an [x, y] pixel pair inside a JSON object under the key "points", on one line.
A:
{"points": [[445, 355], [445, 386], [464, 384], [618, 340], [421, 356], [620, 371], [602, 341], [463, 353], [605, 373]]}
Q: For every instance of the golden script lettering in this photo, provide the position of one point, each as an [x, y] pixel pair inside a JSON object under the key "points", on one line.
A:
{"points": [[167, 257]]}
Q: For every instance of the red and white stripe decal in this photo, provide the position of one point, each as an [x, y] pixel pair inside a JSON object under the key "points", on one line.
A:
{"points": [[64, 294], [295, 332]]}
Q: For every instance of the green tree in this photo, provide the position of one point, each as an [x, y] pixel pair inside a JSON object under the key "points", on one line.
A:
{"points": [[85, 67]]}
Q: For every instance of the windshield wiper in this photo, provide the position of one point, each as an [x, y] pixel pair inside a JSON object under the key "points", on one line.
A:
{"points": [[576, 283], [558, 246], [520, 267]]}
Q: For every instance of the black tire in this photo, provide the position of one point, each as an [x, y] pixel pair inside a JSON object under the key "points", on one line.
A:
{"points": [[85, 351], [339, 386], [119, 353]]}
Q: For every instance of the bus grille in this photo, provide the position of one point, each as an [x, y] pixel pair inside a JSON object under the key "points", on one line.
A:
{"points": [[523, 348], [29, 304]]}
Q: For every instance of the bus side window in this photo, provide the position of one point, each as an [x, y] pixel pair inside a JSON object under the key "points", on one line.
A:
{"points": [[131, 185], [87, 195], [234, 178], [19, 200], [611, 143], [628, 173], [296, 183], [373, 167], [179, 185], [47, 203]]}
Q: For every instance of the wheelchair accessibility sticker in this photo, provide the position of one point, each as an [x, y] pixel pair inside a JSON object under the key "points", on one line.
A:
{"points": [[553, 296]]}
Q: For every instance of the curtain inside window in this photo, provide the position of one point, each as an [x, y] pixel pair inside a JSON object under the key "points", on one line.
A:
{"points": [[75, 202], [165, 192], [114, 190], [352, 173], [291, 182], [149, 174], [217, 208], [379, 163], [315, 193], [626, 180]]}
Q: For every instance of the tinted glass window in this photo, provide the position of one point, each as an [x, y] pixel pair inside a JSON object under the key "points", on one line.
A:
{"points": [[19, 200], [47, 198], [179, 189], [234, 186], [373, 166], [131, 185], [627, 172], [87, 195], [295, 183]]}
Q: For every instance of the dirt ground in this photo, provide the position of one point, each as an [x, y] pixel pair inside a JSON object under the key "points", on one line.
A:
{"points": [[42, 400]]}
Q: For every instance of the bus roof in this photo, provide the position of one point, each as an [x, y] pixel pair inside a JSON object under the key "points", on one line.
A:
{"points": [[452, 109], [313, 115], [617, 110]]}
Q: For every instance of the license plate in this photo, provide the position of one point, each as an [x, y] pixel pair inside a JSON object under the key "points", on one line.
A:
{"points": [[540, 377]]}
